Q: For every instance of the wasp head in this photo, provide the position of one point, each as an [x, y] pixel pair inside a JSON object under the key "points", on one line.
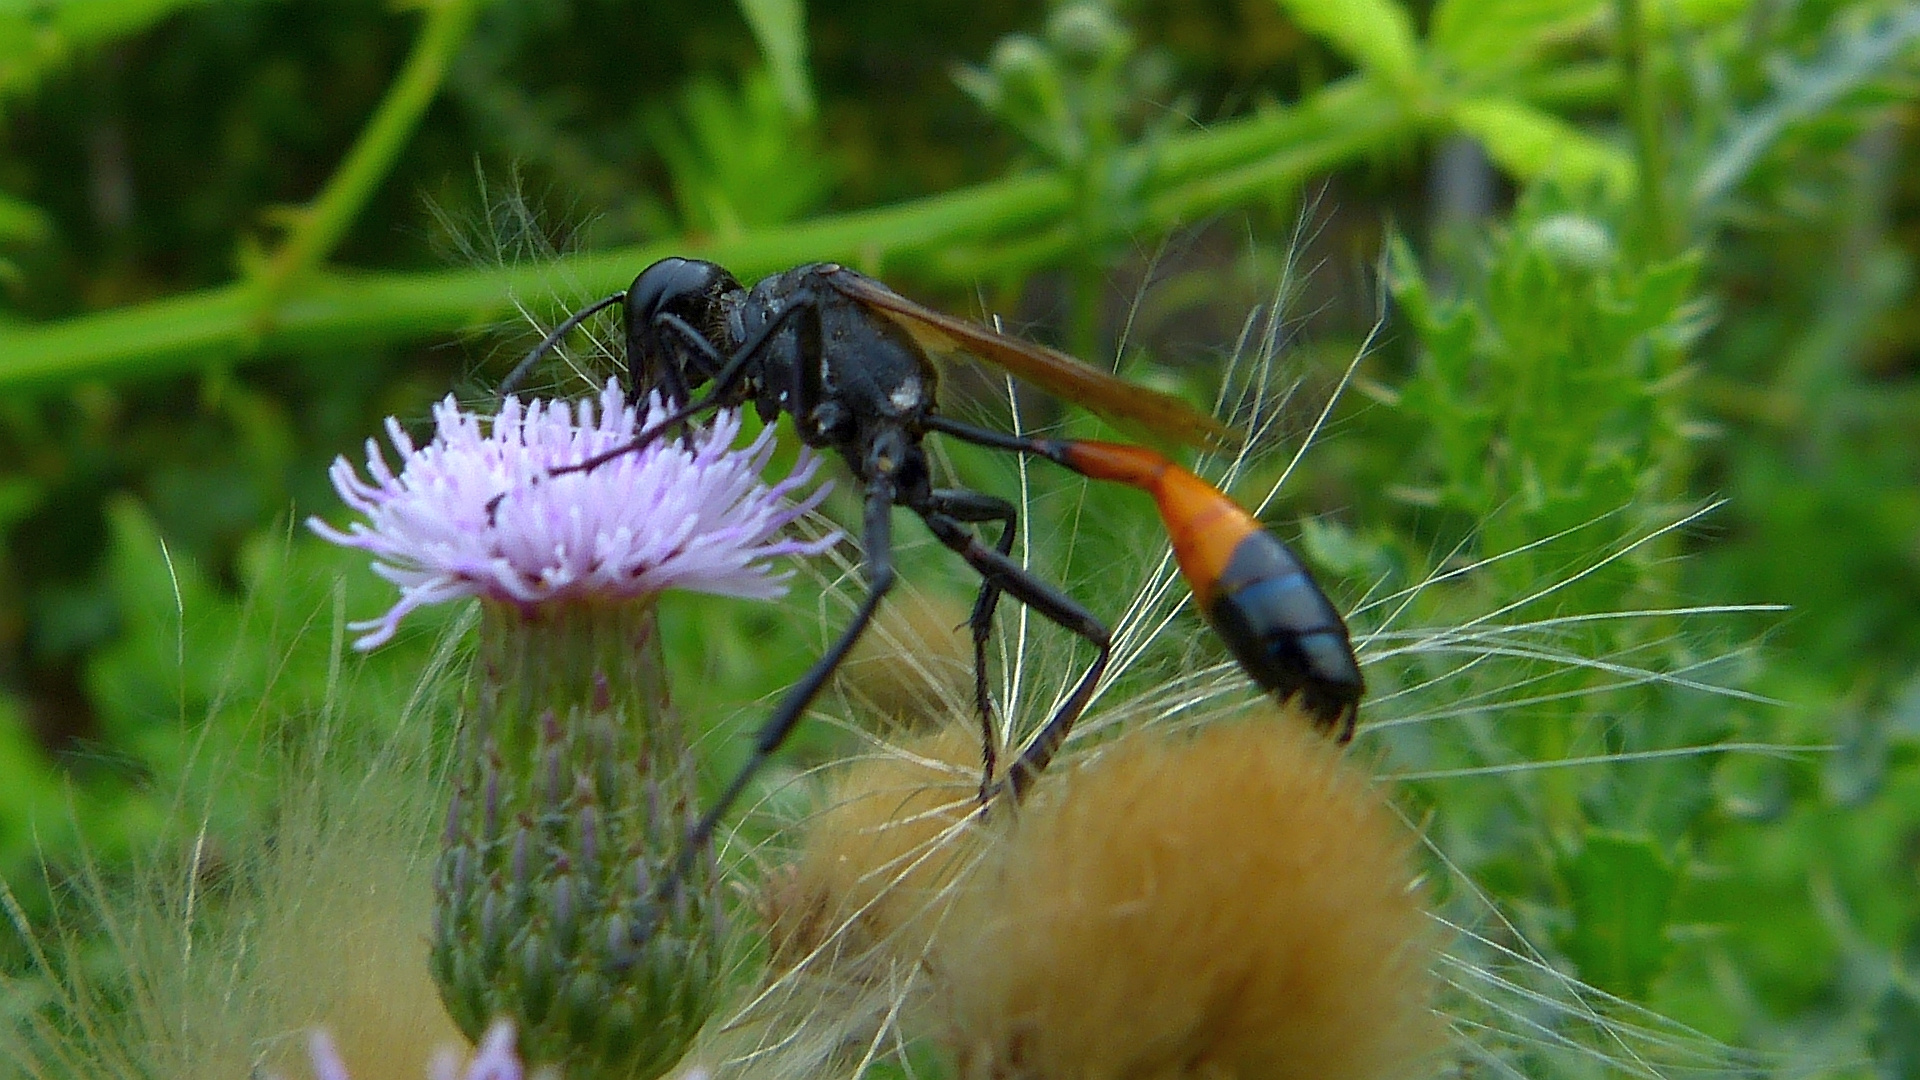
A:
{"points": [[677, 325]]}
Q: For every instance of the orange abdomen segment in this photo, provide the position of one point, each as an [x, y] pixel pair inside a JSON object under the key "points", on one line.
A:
{"points": [[1246, 581], [1206, 526]]}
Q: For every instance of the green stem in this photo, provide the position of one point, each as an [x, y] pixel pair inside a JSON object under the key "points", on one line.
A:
{"points": [[319, 227], [1642, 106], [958, 236], [1318, 143]]}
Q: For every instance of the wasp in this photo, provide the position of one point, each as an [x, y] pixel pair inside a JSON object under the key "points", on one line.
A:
{"points": [[852, 362]]}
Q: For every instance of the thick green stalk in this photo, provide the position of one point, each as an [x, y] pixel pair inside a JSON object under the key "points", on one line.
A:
{"points": [[319, 227], [960, 235], [1321, 140], [1641, 99]]}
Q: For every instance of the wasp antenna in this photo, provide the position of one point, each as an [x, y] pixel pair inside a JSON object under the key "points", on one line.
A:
{"points": [[547, 343]]}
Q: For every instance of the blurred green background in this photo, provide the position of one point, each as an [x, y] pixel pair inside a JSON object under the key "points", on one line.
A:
{"points": [[1605, 263]]}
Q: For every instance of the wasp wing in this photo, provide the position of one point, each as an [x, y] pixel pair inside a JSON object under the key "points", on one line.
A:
{"points": [[1111, 397]]}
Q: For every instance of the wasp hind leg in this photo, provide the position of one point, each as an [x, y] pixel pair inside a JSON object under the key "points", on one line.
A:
{"points": [[1002, 574], [877, 536], [977, 507]]}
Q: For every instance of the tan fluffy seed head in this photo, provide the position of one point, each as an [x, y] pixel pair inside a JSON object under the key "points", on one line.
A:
{"points": [[848, 919], [894, 830], [319, 922], [351, 957], [916, 663], [1237, 903]]}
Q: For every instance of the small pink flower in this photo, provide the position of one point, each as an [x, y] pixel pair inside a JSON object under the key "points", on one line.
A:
{"points": [[325, 1057], [493, 1059], [480, 512]]}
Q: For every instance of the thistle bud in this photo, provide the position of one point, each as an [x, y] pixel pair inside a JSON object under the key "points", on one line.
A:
{"points": [[544, 916]]}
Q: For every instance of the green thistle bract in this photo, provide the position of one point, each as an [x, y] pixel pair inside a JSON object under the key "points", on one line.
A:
{"points": [[573, 793]]}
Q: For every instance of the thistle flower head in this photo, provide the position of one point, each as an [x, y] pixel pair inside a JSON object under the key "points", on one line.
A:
{"points": [[480, 510], [493, 1059]]}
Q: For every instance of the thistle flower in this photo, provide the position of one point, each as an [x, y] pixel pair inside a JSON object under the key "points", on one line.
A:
{"points": [[493, 1059], [479, 511], [574, 790]]}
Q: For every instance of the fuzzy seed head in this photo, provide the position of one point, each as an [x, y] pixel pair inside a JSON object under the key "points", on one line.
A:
{"points": [[1238, 903], [914, 665], [895, 830]]}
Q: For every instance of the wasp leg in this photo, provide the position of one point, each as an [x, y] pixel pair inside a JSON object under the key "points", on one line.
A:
{"points": [[877, 536], [999, 440], [877, 539], [675, 388], [1002, 573], [961, 504]]}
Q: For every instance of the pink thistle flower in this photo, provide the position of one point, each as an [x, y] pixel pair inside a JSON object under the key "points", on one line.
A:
{"points": [[480, 512], [493, 1059]]}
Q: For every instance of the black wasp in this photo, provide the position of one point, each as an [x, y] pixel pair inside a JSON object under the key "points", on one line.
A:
{"points": [[851, 361]]}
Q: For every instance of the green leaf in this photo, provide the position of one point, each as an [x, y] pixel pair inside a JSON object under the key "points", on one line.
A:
{"points": [[21, 220], [1535, 145], [1375, 34], [780, 28], [737, 158], [1480, 36], [1896, 1038], [1620, 890], [1680, 15], [37, 38], [1807, 94], [164, 665], [31, 803]]}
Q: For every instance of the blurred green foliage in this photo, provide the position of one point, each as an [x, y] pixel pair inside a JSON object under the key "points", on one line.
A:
{"points": [[1639, 257]]}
